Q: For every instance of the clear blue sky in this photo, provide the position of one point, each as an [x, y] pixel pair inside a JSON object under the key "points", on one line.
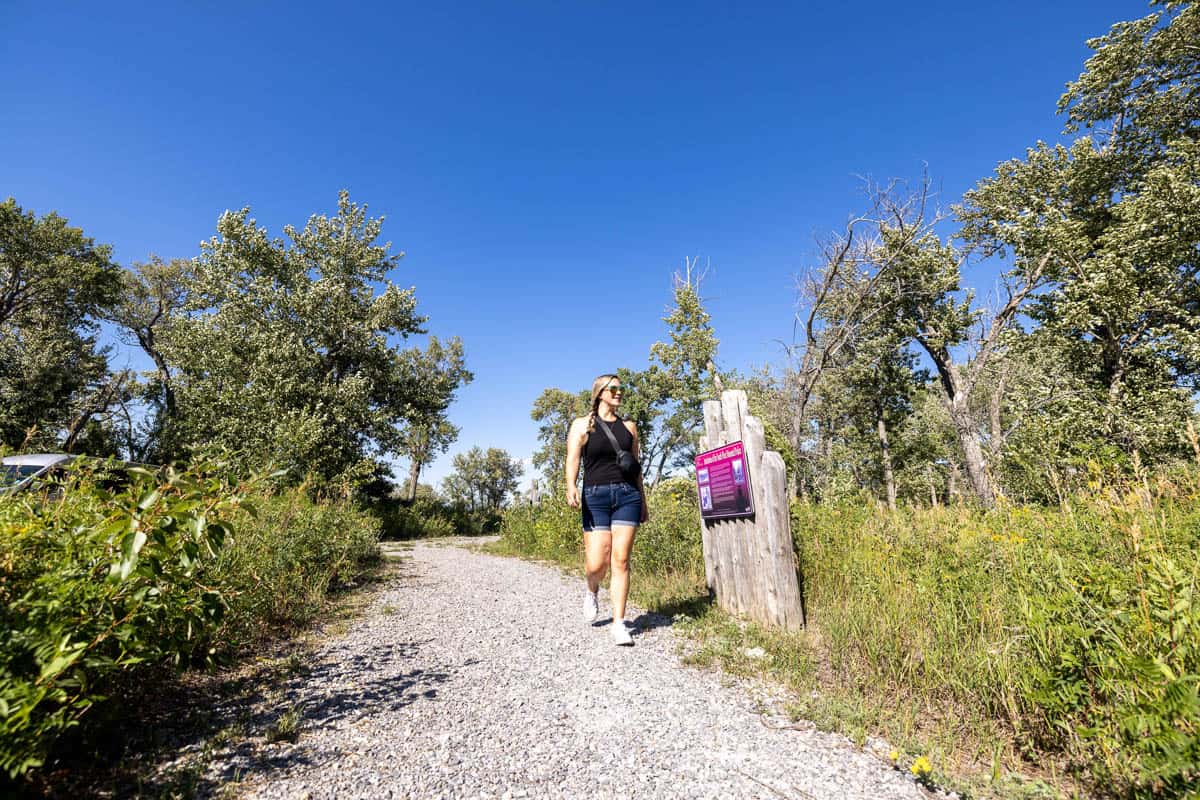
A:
{"points": [[545, 165]]}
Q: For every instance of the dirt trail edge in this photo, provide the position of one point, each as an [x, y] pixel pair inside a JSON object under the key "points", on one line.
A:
{"points": [[474, 676]]}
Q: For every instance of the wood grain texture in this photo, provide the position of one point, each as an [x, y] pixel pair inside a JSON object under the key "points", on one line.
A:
{"points": [[749, 563]]}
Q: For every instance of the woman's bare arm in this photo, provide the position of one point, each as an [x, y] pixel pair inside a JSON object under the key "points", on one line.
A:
{"points": [[575, 438]]}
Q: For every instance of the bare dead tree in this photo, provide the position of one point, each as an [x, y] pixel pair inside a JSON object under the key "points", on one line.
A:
{"points": [[846, 292], [890, 269]]}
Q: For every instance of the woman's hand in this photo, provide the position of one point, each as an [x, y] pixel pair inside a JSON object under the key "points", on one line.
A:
{"points": [[573, 496]]}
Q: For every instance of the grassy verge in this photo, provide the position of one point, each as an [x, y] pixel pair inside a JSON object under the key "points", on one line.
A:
{"points": [[1024, 652]]}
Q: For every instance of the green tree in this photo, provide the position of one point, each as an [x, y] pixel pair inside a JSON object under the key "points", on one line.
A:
{"points": [[154, 294], [554, 410], [874, 389], [284, 349], [483, 481], [1113, 219], [55, 284], [893, 281], [940, 317], [440, 370], [681, 376]]}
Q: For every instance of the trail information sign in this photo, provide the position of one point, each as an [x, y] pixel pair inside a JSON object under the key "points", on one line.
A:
{"points": [[724, 483]]}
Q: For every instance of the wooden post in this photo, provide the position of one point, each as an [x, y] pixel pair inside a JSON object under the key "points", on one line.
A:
{"points": [[750, 562]]}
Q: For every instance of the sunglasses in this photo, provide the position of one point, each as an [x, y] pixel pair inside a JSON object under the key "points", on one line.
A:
{"points": [[612, 389]]}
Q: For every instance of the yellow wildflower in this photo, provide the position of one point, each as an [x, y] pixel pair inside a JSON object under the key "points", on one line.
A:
{"points": [[921, 767], [894, 755]]}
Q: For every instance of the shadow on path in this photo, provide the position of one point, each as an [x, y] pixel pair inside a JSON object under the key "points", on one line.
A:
{"points": [[665, 615], [336, 690]]}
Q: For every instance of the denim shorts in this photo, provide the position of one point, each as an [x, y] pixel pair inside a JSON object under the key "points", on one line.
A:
{"points": [[611, 503]]}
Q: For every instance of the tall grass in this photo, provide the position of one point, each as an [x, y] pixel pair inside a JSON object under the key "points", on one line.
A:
{"points": [[283, 561], [1077, 630]]}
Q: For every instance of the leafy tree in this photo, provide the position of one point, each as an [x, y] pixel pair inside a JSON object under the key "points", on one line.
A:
{"points": [[483, 481], [554, 410], [46, 264], [154, 294], [283, 349], [874, 389], [55, 284], [1114, 220], [681, 376], [441, 369], [940, 317], [902, 284]]}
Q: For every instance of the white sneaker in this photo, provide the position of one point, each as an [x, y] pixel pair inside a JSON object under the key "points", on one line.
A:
{"points": [[620, 634], [590, 607]]}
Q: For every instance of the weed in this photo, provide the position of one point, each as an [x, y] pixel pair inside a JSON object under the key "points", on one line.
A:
{"points": [[286, 727]]}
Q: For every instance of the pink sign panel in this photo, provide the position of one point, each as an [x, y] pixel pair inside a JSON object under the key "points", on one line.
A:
{"points": [[724, 483]]}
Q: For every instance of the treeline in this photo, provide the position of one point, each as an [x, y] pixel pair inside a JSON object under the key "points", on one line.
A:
{"points": [[1087, 356], [284, 351], [905, 384]]}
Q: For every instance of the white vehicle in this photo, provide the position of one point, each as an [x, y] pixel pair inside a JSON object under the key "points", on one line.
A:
{"points": [[18, 472]]}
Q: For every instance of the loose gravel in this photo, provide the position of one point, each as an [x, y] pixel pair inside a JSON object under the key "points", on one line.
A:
{"points": [[473, 676]]}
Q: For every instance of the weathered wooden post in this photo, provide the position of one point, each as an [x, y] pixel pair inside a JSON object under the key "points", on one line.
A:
{"points": [[749, 562]]}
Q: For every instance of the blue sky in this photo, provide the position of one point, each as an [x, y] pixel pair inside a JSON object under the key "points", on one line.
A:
{"points": [[546, 166]]}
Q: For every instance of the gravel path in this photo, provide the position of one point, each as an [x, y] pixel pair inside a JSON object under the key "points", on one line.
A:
{"points": [[473, 676]]}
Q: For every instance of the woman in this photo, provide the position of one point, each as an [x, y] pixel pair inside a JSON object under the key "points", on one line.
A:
{"points": [[613, 505]]}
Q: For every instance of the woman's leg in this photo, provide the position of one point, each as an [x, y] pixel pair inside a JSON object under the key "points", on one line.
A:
{"points": [[597, 547], [618, 589]]}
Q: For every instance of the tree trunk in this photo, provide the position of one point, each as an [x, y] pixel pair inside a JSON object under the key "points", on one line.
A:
{"points": [[658, 470], [885, 454], [146, 340], [981, 482], [994, 420], [98, 403], [414, 473], [965, 427]]}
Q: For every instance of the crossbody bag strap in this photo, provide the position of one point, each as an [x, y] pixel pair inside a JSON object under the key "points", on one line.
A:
{"points": [[617, 449]]}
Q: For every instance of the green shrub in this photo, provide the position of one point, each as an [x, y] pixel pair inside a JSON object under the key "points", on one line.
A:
{"points": [[1114, 642], [175, 569], [429, 517], [549, 529], [426, 517], [95, 583], [283, 561]]}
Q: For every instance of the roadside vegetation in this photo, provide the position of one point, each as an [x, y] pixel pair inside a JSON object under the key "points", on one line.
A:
{"points": [[995, 497], [183, 569], [1023, 651]]}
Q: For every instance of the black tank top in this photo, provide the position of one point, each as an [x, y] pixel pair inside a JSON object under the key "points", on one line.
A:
{"points": [[599, 458]]}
